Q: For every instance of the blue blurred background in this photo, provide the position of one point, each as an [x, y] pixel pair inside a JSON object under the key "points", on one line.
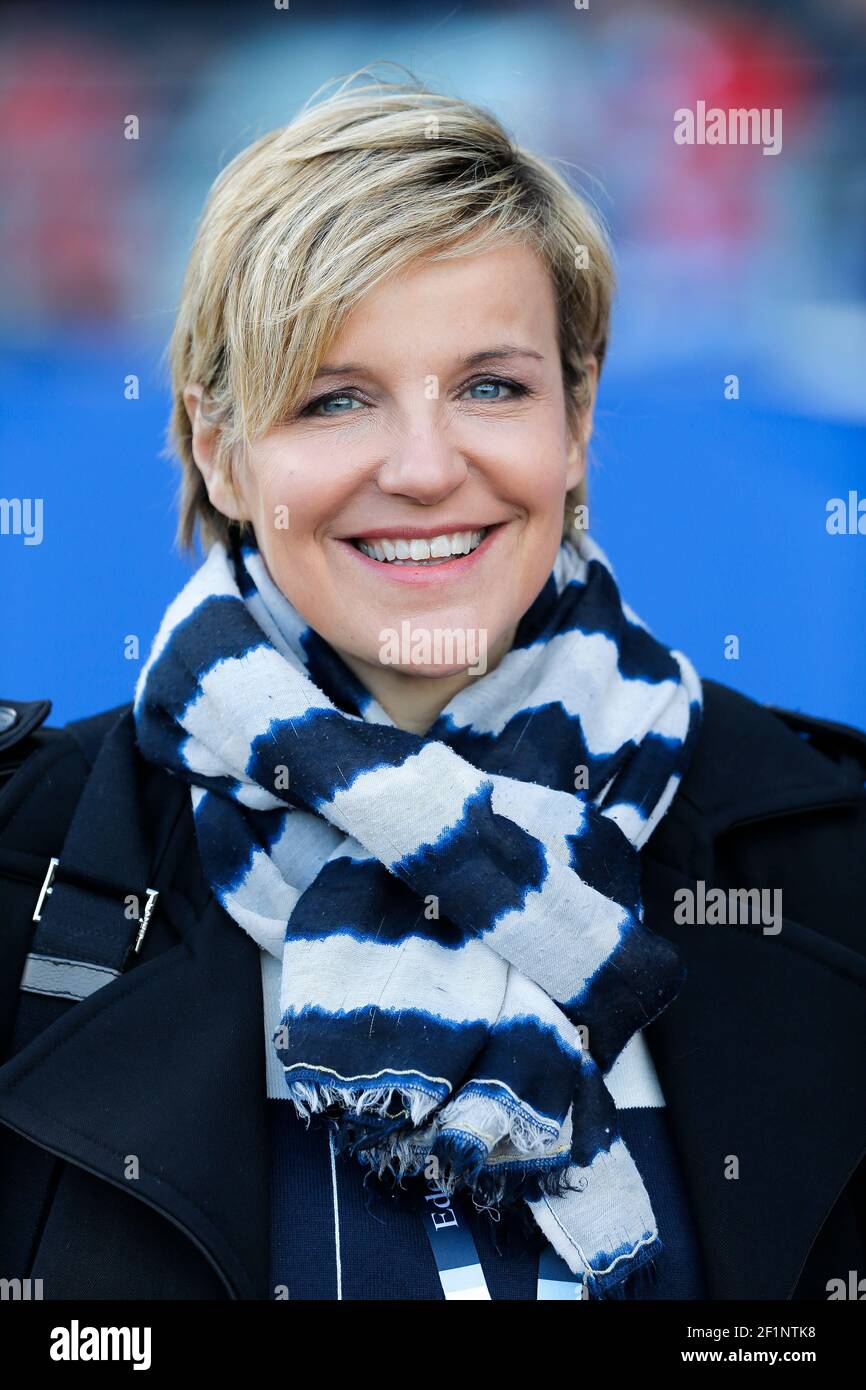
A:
{"points": [[712, 510]]}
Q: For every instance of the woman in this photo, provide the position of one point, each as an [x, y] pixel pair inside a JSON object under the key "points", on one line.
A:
{"points": [[431, 929]]}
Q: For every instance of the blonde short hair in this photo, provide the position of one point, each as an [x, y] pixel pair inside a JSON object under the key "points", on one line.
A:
{"points": [[301, 224]]}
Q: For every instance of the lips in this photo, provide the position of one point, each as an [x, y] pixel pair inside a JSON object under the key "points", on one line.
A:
{"points": [[420, 571]]}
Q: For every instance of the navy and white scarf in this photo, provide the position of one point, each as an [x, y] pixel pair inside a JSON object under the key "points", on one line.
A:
{"points": [[458, 915]]}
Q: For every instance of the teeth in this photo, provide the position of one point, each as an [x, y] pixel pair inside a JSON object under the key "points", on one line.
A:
{"points": [[415, 551]]}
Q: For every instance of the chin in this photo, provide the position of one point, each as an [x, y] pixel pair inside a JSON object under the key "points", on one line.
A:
{"points": [[433, 672], [431, 649]]}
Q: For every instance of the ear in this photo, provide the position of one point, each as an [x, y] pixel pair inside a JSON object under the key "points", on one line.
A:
{"points": [[217, 480], [579, 441]]}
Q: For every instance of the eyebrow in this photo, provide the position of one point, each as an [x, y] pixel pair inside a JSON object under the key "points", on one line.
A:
{"points": [[504, 350]]}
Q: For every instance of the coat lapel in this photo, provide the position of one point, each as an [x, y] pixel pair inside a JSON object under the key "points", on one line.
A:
{"points": [[758, 1059], [165, 1064], [760, 1054]]}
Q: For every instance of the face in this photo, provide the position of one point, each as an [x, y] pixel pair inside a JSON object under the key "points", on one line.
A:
{"points": [[424, 477]]}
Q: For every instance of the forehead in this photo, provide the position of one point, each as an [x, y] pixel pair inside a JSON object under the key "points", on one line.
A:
{"points": [[472, 301]]}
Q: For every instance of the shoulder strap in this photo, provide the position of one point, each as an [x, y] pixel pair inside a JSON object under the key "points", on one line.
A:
{"points": [[99, 893], [90, 732]]}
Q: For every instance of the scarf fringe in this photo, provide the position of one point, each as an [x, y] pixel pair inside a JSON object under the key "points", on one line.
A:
{"points": [[455, 1154], [471, 1112], [638, 1284], [491, 1189], [365, 1104]]}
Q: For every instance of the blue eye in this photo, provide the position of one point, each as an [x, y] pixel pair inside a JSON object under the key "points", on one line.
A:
{"points": [[497, 383], [488, 384], [335, 396]]}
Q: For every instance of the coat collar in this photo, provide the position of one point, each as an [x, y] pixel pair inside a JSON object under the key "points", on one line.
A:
{"points": [[167, 1062], [748, 765]]}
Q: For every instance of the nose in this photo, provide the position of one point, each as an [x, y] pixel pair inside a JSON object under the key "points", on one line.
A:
{"points": [[424, 466]]}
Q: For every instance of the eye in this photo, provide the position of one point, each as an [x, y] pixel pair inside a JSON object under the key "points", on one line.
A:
{"points": [[492, 388], [333, 398], [489, 384]]}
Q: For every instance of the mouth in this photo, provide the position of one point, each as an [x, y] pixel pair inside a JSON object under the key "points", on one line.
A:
{"points": [[405, 550], [416, 558]]}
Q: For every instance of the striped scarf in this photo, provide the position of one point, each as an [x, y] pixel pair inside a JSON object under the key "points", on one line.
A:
{"points": [[458, 915]]}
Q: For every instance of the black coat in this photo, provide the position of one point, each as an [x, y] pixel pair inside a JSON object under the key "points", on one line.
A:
{"points": [[762, 1056]]}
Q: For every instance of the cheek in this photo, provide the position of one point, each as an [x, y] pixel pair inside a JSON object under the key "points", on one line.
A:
{"points": [[536, 476], [306, 493], [295, 497]]}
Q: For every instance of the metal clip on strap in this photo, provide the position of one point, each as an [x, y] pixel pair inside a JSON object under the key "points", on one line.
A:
{"points": [[75, 973]]}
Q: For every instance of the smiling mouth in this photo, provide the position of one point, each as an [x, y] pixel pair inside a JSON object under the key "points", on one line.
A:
{"points": [[405, 550]]}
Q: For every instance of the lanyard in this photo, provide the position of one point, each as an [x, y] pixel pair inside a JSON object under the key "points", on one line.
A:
{"points": [[457, 1261]]}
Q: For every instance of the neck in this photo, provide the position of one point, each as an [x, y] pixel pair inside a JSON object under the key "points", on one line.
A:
{"points": [[415, 701]]}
